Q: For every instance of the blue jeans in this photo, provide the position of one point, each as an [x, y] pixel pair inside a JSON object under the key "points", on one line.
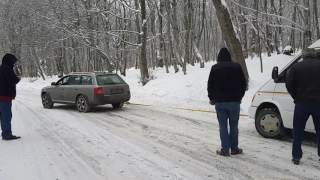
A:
{"points": [[5, 118], [302, 112], [228, 115]]}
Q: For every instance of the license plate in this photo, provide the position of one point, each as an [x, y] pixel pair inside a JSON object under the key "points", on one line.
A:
{"points": [[116, 91]]}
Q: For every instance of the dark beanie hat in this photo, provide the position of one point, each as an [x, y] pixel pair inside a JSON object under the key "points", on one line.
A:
{"points": [[224, 55], [9, 60]]}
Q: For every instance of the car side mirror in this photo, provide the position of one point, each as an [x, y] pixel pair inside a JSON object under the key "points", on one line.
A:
{"points": [[275, 73], [53, 84]]}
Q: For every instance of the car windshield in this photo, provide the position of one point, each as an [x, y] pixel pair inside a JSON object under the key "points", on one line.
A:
{"points": [[109, 79]]}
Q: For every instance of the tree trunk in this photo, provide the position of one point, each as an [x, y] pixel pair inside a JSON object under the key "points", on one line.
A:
{"points": [[197, 45], [229, 35], [316, 20], [143, 59], [243, 29], [176, 35], [258, 36], [307, 37], [37, 60], [268, 31], [276, 32], [173, 59], [154, 34], [188, 42], [280, 22], [294, 18], [163, 55], [139, 40]]}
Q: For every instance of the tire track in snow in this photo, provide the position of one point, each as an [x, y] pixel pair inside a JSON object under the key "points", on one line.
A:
{"points": [[133, 122], [45, 118], [244, 162], [66, 150]]}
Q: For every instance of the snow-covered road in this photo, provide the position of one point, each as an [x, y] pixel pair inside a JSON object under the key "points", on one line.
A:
{"points": [[137, 143]]}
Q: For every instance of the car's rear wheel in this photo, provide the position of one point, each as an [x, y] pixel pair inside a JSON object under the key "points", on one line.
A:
{"points": [[269, 124], [47, 101], [117, 105], [82, 104]]}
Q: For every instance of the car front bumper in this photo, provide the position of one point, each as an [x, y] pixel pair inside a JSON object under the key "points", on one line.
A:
{"points": [[252, 112]]}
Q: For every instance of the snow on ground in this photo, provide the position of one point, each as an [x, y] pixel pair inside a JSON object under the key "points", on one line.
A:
{"points": [[143, 142]]}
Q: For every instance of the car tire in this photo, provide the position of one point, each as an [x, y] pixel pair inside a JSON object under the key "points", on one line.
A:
{"points": [[82, 104], [117, 105], [269, 124], [47, 101]]}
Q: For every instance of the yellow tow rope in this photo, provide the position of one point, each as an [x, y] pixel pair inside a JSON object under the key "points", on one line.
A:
{"points": [[186, 109]]}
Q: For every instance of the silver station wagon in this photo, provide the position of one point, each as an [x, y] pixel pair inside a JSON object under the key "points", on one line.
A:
{"points": [[87, 90]]}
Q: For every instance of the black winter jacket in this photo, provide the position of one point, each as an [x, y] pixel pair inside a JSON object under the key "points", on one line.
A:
{"points": [[302, 81], [8, 79], [227, 82]]}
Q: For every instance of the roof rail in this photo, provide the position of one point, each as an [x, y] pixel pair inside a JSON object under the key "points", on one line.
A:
{"points": [[81, 72]]}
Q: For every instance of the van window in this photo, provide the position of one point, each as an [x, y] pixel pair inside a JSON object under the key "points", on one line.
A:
{"points": [[109, 79], [283, 74]]}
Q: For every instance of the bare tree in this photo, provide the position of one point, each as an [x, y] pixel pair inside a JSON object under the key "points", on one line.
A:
{"points": [[229, 35], [143, 58], [307, 23]]}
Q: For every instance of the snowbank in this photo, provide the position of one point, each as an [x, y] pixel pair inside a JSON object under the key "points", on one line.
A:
{"points": [[185, 91], [190, 91]]}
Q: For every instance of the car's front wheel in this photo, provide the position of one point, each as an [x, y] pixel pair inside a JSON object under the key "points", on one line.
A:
{"points": [[47, 101], [268, 123], [117, 105], [82, 104]]}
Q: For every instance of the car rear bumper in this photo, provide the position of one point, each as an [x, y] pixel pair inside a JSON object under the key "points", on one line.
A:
{"points": [[111, 99]]}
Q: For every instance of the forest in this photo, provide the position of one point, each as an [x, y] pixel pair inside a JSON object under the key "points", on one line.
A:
{"points": [[56, 37]]}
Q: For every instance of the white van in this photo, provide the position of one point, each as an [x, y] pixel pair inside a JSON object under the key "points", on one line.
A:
{"points": [[272, 106]]}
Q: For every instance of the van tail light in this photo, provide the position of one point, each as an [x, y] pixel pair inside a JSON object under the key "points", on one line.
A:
{"points": [[98, 91]]}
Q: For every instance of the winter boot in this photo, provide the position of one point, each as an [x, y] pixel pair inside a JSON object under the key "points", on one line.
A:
{"points": [[9, 138], [222, 152], [296, 161], [236, 151]]}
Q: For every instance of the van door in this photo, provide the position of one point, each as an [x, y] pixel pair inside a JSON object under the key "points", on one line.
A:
{"points": [[285, 101]]}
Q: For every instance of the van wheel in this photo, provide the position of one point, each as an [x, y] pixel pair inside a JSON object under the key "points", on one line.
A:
{"points": [[117, 105], [82, 104], [269, 124], [47, 101]]}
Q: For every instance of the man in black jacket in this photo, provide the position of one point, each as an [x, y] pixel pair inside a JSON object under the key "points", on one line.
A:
{"points": [[8, 81], [226, 88], [303, 84]]}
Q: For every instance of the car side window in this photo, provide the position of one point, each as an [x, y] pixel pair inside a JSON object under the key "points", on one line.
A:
{"points": [[63, 81], [74, 80], [86, 80], [109, 79]]}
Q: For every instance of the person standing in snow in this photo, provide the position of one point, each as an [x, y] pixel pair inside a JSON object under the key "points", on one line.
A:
{"points": [[226, 87], [8, 81], [302, 82]]}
